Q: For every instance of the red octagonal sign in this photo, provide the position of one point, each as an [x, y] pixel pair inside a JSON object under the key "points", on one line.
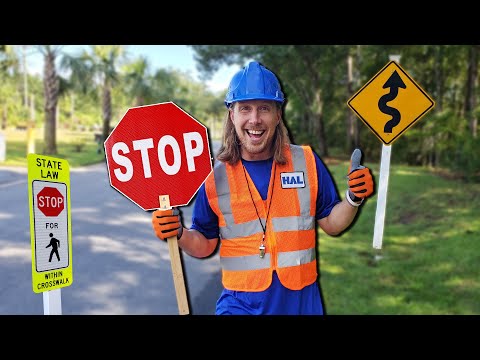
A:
{"points": [[158, 150], [50, 201]]}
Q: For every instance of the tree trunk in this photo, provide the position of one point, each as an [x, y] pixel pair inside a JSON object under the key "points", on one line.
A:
{"points": [[318, 122], [356, 123], [32, 109], [4, 117], [470, 97], [139, 101], [51, 86], [350, 139], [72, 110], [107, 110], [322, 144], [439, 79]]}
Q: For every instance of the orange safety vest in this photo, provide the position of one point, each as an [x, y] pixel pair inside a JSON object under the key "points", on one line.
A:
{"points": [[290, 228]]}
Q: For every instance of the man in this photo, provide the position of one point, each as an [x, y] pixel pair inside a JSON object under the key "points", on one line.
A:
{"points": [[262, 201]]}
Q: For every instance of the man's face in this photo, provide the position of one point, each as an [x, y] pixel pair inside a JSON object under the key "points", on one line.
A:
{"points": [[255, 122]]}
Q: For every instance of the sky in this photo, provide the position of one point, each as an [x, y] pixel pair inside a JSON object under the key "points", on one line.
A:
{"points": [[179, 57]]}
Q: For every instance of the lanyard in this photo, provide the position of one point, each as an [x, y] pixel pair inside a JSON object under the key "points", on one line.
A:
{"points": [[261, 248]]}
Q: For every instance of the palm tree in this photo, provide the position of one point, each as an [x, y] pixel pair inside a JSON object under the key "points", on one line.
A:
{"points": [[137, 81], [97, 65], [51, 88]]}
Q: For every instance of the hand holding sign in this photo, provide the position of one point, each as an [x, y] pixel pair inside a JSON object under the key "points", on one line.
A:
{"points": [[158, 155], [167, 223]]}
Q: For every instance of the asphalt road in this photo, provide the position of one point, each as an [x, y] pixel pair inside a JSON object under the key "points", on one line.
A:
{"points": [[119, 266]]}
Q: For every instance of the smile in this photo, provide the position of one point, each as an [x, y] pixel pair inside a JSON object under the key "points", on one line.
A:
{"points": [[255, 133]]}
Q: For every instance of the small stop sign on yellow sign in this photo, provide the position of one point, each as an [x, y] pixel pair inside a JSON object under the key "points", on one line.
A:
{"points": [[50, 201]]}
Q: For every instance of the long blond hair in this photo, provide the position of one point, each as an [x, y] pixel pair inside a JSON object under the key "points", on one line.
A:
{"points": [[230, 149]]}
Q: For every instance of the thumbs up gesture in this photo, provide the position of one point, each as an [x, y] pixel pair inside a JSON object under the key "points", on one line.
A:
{"points": [[360, 181]]}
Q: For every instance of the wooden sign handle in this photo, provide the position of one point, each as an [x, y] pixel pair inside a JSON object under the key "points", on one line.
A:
{"points": [[176, 263]]}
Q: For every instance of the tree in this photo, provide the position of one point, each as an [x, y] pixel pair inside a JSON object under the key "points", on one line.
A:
{"points": [[51, 88], [136, 78], [98, 66], [471, 88]]}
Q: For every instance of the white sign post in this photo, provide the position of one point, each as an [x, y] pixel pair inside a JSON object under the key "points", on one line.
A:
{"points": [[382, 196], [383, 186]]}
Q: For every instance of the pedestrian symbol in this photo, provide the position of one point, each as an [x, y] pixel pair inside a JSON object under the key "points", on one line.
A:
{"points": [[55, 244], [390, 103]]}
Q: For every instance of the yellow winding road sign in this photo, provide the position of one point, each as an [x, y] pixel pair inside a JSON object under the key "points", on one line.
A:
{"points": [[390, 103]]}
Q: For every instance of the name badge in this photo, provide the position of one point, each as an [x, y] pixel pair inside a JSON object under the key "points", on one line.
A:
{"points": [[292, 180]]}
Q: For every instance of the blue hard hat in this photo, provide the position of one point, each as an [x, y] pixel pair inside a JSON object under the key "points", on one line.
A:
{"points": [[254, 82]]}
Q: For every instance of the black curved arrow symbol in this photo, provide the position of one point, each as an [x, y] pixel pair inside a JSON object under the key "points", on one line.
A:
{"points": [[394, 82]]}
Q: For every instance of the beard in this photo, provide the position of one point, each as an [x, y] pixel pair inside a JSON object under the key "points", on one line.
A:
{"points": [[263, 148], [254, 148]]}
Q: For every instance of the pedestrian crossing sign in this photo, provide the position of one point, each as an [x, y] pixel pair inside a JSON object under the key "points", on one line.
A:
{"points": [[50, 222]]}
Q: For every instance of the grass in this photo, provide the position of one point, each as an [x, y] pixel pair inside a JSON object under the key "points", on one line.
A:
{"points": [[428, 263], [78, 148]]}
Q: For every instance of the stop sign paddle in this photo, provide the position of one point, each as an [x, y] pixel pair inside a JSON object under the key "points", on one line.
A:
{"points": [[158, 156]]}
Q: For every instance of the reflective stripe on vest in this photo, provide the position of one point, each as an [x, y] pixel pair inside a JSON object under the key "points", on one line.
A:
{"points": [[290, 230]]}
